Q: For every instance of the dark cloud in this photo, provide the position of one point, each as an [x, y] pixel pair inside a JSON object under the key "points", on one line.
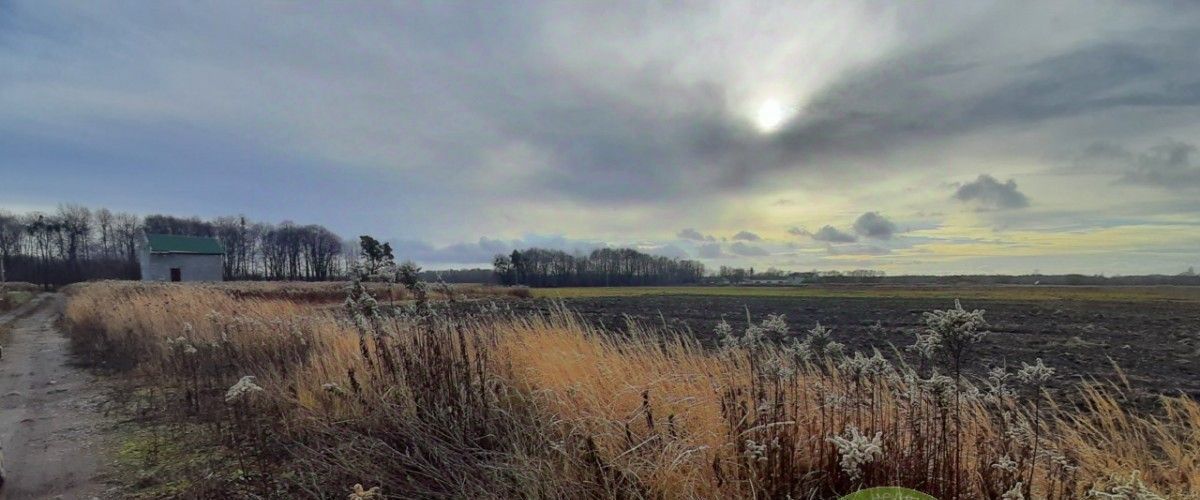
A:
{"points": [[946, 87], [856, 250], [1172, 165], [986, 193], [692, 234], [904, 98], [873, 225], [748, 250], [667, 250], [482, 251], [833, 235], [710, 251], [746, 236], [646, 129], [458, 253], [1101, 157]]}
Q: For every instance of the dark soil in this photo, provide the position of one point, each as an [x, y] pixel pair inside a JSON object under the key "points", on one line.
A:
{"points": [[1155, 343]]}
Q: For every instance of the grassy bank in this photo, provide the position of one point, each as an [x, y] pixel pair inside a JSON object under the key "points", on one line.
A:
{"points": [[10, 300], [990, 292], [329, 292], [280, 398]]}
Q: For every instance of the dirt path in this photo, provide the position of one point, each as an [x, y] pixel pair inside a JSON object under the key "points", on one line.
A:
{"points": [[49, 423]]}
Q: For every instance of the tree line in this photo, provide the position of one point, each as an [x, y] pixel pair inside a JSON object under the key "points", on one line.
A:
{"points": [[738, 275], [539, 267], [75, 243], [71, 244]]}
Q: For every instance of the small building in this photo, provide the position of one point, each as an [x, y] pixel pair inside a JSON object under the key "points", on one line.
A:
{"points": [[794, 279], [169, 257]]}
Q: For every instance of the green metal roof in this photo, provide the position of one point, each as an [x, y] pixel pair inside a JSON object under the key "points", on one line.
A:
{"points": [[170, 243]]}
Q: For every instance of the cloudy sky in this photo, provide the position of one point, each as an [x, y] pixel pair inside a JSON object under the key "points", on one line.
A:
{"points": [[930, 137]]}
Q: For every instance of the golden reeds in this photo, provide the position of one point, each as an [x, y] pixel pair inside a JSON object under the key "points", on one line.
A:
{"points": [[496, 405]]}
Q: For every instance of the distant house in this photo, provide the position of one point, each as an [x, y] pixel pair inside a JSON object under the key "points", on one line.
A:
{"points": [[168, 257]]}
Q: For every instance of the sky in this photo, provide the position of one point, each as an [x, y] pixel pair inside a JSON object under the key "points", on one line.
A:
{"points": [[908, 137]]}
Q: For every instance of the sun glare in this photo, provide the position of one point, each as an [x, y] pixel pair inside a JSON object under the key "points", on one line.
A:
{"points": [[771, 116]]}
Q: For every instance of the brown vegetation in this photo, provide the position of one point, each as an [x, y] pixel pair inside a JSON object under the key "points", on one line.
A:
{"points": [[13, 294], [19, 286], [426, 405], [335, 291], [321, 292]]}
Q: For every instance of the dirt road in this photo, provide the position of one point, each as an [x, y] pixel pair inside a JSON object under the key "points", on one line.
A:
{"points": [[49, 423]]}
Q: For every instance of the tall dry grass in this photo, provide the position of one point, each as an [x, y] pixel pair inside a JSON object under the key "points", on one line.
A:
{"points": [[490, 404]]}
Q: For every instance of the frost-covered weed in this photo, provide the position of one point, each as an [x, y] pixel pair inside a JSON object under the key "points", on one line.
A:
{"points": [[926, 346], [242, 390], [362, 308], [1014, 493], [777, 369], [997, 383], [941, 387], [1131, 488], [357, 492], [1005, 464], [1020, 432], [951, 332], [834, 400], [724, 333], [957, 326], [861, 367], [877, 331], [1036, 374], [857, 450], [752, 337], [181, 345], [755, 452], [818, 342], [1059, 460], [772, 329], [775, 327]]}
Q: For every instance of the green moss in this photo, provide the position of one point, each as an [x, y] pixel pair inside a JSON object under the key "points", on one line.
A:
{"points": [[13, 299], [168, 461]]}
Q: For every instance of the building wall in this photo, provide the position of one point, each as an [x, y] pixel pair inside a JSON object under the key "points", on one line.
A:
{"points": [[157, 267]]}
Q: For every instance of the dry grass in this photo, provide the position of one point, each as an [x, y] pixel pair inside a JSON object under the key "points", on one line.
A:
{"points": [[335, 291], [20, 286], [328, 292], [12, 299], [492, 405]]}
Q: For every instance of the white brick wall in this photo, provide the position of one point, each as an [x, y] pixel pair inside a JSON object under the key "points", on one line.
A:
{"points": [[157, 267]]}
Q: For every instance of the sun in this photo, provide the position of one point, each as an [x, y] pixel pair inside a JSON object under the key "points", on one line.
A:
{"points": [[772, 114]]}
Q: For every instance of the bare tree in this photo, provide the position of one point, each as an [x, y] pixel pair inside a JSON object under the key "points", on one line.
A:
{"points": [[76, 223]]}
